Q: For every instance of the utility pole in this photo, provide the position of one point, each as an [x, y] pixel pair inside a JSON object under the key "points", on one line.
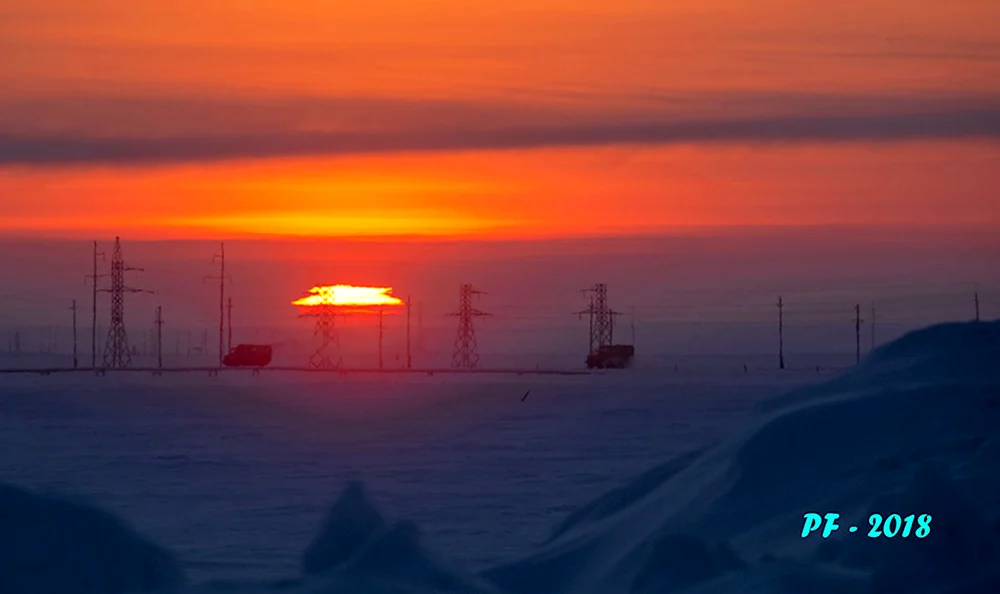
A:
{"points": [[76, 361], [977, 306], [222, 295], [466, 353], [229, 323], [857, 329], [380, 312], [222, 278], [781, 333], [409, 359], [632, 320], [116, 351], [93, 325], [159, 336]]}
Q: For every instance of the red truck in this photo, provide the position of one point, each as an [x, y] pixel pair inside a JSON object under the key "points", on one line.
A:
{"points": [[248, 355], [612, 356]]}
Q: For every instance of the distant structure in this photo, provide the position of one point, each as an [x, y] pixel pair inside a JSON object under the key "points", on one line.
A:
{"points": [[466, 352], [977, 306], [94, 329], [601, 318], [159, 336], [604, 353], [116, 351], [222, 278], [327, 353], [857, 330]]}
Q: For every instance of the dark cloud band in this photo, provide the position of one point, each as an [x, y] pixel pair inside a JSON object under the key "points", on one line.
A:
{"points": [[506, 131]]}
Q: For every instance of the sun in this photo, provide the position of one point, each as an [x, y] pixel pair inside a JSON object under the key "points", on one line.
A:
{"points": [[349, 296]]}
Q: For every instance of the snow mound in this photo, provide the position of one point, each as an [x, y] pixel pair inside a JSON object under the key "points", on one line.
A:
{"points": [[50, 545], [912, 431], [357, 551], [956, 352], [351, 523]]}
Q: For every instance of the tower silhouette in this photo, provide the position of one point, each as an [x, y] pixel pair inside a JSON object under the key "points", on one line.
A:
{"points": [[466, 352], [602, 325], [327, 353], [116, 351]]}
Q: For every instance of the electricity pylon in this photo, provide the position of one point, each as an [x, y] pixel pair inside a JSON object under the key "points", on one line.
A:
{"points": [[466, 351]]}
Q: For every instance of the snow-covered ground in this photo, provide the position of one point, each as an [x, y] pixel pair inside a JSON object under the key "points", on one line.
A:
{"points": [[695, 483]]}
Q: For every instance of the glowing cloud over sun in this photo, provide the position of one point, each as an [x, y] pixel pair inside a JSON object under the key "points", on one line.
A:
{"points": [[348, 296]]}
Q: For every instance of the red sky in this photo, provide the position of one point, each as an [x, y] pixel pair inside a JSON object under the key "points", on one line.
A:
{"points": [[170, 118]]}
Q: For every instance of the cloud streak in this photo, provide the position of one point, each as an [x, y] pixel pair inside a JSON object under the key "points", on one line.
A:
{"points": [[476, 127]]}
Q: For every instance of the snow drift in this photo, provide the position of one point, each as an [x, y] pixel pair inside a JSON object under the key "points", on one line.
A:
{"points": [[356, 548], [915, 429], [51, 545], [946, 353]]}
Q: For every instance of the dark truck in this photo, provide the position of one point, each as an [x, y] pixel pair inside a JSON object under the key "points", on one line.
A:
{"points": [[612, 356], [248, 355]]}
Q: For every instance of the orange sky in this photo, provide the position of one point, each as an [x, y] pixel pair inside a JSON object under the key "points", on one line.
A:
{"points": [[521, 117]]}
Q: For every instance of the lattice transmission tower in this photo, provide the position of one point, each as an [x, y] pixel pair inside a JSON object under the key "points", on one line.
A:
{"points": [[327, 352], [466, 352], [602, 317], [116, 350]]}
